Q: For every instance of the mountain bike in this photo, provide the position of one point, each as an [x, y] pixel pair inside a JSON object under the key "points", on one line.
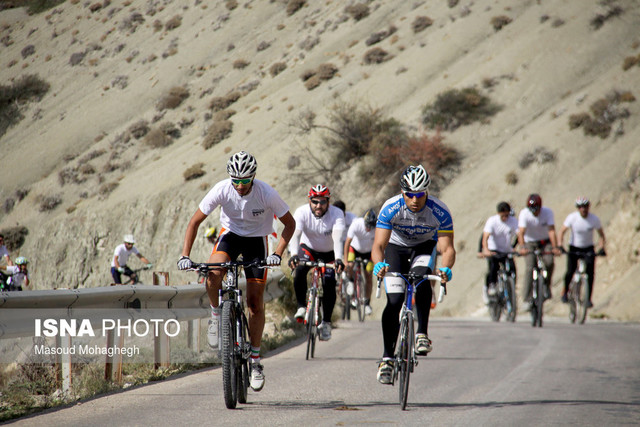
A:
{"points": [[134, 277], [236, 343], [539, 287], [313, 317], [405, 358], [579, 293], [505, 296]]}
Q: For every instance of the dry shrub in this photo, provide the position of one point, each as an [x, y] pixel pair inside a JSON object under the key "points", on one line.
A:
{"points": [[277, 68], [612, 10], [376, 55], [194, 172], [511, 178], [263, 45], [455, 108], [312, 82], [173, 99], [358, 11], [223, 115], [173, 23], [539, 155], [307, 74], [157, 138], [605, 112], [107, 188], [380, 35], [630, 61], [294, 5], [231, 4], [217, 132], [139, 129], [14, 237], [498, 22], [577, 120], [48, 202], [240, 64], [326, 71], [421, 23], [222, 102], [13, 98]]}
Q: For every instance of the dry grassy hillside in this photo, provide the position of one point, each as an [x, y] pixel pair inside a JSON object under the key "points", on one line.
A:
{"points": [[145, 94]]}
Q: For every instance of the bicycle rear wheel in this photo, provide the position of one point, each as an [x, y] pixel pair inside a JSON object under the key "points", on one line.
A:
{"points": [[360, 294], [510, 297], [404, 356], [573, 297], [229, 363], [243, 368], [311, 323]]}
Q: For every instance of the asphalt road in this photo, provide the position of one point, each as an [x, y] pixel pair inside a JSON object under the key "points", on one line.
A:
{"points": [[479, 373]]}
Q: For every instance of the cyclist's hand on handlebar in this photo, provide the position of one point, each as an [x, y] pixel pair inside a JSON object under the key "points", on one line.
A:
{"points": [[293, 262], [445, 273], [149, 266], [380, 269], [523, 251], [558, 250], [184, 263], [339, 265], [273, 260], [120, 269]]}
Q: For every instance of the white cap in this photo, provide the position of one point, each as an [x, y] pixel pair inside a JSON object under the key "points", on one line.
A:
{"points": [[128, 238]]}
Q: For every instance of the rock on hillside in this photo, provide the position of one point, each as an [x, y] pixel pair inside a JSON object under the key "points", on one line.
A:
{"points": [[140, 88]]}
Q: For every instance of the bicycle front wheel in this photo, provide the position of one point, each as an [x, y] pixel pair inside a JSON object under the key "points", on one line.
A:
{"points": [[539, 300], [242, 370], [584, 300], [229, 362], [405, 358], [573, 296], [311, 323], [511, 299], [360, 294]]}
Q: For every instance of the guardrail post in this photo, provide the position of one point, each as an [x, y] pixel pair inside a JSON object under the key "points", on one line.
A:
{"points": [[161, 348], [161, 278], [113, 365], [63, 360], [193, 335]]}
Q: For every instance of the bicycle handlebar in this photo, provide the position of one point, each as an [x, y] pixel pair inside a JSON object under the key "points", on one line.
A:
{"points": [[207, 266], [601, 252], [319, 264], [443, 286]]}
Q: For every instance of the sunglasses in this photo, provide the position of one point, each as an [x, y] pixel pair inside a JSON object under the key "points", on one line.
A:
{"points": [[412, 195], [319, 202], [241, 181]]}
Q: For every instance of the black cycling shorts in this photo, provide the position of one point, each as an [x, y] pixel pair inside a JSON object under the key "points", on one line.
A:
{"points": [[250, 248]]}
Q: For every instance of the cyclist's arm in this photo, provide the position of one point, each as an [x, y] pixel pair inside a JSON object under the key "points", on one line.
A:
{"points": [[602, 238], [445, 246], [380, 242], [563, 230], [485, 244], [192, 231], [523, 249], [289, 227], [553, 239], [347, 243], [143, 259], [115, 261]]}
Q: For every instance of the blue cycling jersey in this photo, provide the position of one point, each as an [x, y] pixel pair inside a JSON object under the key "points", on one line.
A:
{"points": [[411, 228]]}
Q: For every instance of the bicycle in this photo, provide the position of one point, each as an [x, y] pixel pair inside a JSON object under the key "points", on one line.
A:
{"points": [[539, 287], [345, 297], [235, 348], [578, 294], [359, 282], [134, 277], [405, 357], [505, 296], [313, 316]]}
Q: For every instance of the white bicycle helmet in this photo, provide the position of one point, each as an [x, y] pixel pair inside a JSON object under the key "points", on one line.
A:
{"points": [[582, 201], [22, 261], [128, 238], [415, 178], [242, 165]]}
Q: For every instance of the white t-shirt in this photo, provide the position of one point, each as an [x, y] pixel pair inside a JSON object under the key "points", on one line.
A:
{"points": [[582, 229], [320, 234], [536, 227], [247, 216], [500, 233], [349, 217], [123, 255], [361, 239], [17, 277]]}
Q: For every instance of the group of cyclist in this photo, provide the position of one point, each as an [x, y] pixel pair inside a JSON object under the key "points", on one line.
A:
{"points": [[404, 236], [13, 276], [535, 229]]}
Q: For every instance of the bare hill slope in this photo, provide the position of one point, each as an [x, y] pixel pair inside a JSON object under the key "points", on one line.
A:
{"points": [[111, 66]]}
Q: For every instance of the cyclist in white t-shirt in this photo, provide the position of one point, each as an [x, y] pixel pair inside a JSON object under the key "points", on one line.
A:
{"points": [[247, 206], [497, 237], [19, 275], [319, 229], [536, 230], [121, 256], [358, 245], [582, 223]]}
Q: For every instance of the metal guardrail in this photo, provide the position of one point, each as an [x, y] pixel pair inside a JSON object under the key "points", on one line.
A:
{"points": [[182, 303]]}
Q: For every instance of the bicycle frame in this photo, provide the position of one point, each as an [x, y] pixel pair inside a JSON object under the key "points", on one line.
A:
{"points": [[505, 290], [539, 282]]}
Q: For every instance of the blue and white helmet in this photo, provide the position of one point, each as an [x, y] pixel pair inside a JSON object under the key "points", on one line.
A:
{"points": [[242, 165], [415, 178]]}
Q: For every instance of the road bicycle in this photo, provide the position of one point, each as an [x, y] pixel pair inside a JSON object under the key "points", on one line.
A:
{"points": [[357, 298], [504, 299], [313, 316], [578, 294], [235, 348], [343, 284], [134, 278], [405, 357], [539, 289]]}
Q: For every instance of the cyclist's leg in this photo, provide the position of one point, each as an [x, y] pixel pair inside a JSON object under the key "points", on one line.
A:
{"points": [[572, 263], [398, 259], [226, 249], [255, 248], [549, 265], [591, 271], [117, 279], [300, 276], [423, 262], [131, 274]]}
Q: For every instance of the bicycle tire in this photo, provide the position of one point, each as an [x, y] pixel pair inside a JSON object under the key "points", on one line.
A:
{"points": [[243, 368], [229, 370], [571, 295], [311, 323], [360, 294], [584, 300], [512, 305], [405, 359], [540, 300]]}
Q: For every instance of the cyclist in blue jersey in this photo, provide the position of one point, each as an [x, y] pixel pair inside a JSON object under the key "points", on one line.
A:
{"points": [[410, 227]]}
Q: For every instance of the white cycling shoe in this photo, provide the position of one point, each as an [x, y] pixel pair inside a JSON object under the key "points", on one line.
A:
{"points": [[257, 377]]}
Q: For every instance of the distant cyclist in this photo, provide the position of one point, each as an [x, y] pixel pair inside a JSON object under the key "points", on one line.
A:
{"points": [[582, 225], [211, 234], [246, 217], [319, 228], [19, 275], [410, 226], [121, 256], [498, 235], [536, 230], [358, 245]]}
